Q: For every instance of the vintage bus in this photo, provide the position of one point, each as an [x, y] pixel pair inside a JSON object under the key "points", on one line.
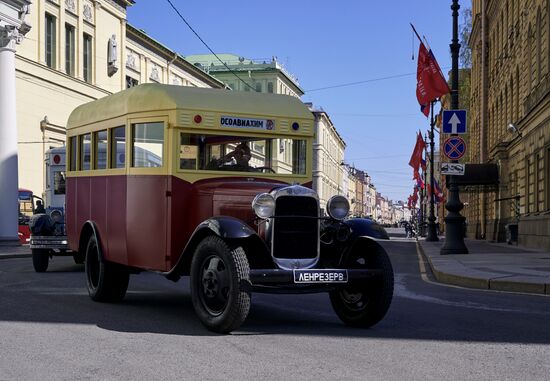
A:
{"points": [[26, 200], [214, 185]]}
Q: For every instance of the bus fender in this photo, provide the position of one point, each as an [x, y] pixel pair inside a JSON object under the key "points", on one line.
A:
{"points": [[224, 227], [90, 229]]}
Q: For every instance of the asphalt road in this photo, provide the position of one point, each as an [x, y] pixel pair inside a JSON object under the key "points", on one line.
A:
{"points": [[51, 330]]}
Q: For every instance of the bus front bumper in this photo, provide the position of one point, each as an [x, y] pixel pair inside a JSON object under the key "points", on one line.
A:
{"points": [[302, 281]]}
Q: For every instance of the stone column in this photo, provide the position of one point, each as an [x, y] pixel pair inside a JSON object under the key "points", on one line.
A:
{"points": [[11, 33], [8, 137]]}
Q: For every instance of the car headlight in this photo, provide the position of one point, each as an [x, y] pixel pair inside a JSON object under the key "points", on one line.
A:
{"points": [[338, 207], [56, 216], [263, 205]]}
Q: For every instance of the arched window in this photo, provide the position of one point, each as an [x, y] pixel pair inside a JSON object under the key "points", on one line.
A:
{"points": [[506, 110], [518, 92], [529, 55], [538, 42], [511, 117], [547, 35]]}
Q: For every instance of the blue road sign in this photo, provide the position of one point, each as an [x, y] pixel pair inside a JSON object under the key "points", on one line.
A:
{"points": [[454, 147], [454, 121]]}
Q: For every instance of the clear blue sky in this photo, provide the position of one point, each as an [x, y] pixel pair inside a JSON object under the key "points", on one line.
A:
{"points": [[327, 43]]}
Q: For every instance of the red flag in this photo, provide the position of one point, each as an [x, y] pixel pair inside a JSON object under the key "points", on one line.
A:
{"points": [[430, 83], [416, 156]]}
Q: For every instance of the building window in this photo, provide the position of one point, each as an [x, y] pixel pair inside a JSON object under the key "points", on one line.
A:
{"points": [[258, 87], [270, 87], [50, 40], [131, 82], [87, 62], [69, 49]]}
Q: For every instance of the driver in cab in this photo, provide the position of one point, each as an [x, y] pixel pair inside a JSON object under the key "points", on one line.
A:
{"points": [[240, 156]]}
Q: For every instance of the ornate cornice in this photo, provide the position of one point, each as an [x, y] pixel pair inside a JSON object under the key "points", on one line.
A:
{"points": [[9, 36]]}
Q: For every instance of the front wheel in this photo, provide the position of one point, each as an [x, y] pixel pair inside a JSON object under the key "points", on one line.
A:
{"points": [[217, 273], [106, 282], [365, 304], [40, 259]]}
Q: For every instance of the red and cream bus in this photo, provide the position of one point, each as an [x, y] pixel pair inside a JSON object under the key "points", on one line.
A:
{"points": [[214, 185]]}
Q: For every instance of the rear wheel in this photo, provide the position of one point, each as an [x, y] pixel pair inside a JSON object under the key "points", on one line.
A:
{"points": [[40, 259], [106, 282], [365, 304], [79, 258], [217, 273]]}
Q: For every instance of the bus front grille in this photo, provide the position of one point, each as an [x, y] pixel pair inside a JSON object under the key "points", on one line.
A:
{"points": [[296, 227]]}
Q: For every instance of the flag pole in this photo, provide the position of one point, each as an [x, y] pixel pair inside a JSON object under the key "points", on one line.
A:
{"points": [[415, 32], [432, 233]]}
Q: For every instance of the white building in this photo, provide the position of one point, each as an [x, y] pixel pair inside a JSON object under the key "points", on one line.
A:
{"points": [[76, 52]]}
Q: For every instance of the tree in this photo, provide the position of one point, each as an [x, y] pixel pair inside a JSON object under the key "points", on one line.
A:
{"points": [[465, 30]]}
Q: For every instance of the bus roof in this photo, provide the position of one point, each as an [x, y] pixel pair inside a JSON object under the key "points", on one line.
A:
{"points": [[156, 97]]}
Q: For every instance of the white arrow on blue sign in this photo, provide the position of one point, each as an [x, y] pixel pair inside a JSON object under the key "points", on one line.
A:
{"points": [[454, 121]]}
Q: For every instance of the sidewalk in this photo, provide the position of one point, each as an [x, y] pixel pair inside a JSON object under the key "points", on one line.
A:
{"points": [[491, 266], [14, 252]]}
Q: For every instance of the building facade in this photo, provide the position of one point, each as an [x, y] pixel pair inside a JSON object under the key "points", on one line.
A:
{"points": [[510, 118], [328, 158], [76, 52], [243, 74]]}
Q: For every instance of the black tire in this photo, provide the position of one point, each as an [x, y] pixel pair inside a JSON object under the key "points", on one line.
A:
{"points": [[217, 273], [365, 304], [40, 259], [79, 258], [106, 282]]}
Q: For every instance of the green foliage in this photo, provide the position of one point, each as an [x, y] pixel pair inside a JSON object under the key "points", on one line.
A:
{"points": [[465, 30]]}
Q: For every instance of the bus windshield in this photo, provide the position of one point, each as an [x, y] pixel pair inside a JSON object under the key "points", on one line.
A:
{"points": [[242, 154]]}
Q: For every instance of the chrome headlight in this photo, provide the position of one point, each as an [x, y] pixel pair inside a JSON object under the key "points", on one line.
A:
{"points": [[56, 216], [264, 205], [338, 207]]}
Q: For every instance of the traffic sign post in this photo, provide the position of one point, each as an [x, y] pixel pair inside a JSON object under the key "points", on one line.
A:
{"points": [[454, 122], [454, 222]]}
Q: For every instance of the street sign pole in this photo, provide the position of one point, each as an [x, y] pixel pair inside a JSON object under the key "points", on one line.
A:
{"points": [[432, 232], [454, 222]]}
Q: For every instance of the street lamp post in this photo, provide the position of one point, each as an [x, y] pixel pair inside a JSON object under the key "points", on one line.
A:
{"points": [[432, 233], [454, 222]]}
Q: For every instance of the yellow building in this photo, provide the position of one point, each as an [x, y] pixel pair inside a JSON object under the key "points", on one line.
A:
{"points": [[78, 51], [510, 118]]}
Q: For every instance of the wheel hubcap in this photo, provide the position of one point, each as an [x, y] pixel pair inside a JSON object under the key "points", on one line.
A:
{"points": [[214, 285]]}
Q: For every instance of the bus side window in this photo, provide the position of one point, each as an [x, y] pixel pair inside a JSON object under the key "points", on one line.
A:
{"points": [[73, 156], [189, 151], [100, 149], [118, 147], [59, 182], [147, 144], [85, 142]]}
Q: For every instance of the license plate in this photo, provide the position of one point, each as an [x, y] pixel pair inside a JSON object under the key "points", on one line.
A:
{"points": [[320, 276]]}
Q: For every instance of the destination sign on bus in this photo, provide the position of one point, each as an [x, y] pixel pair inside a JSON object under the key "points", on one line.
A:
{"points": [[236, 122]]}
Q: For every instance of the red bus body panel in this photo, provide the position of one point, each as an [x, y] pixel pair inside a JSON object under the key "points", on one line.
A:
{"points": [[146, 221]]}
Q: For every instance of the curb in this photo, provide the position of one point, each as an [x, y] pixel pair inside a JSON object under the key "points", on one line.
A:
{"points": [[499, 284]]}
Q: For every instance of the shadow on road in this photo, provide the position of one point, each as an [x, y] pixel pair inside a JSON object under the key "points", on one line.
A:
{"points": [[155, 305]]}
